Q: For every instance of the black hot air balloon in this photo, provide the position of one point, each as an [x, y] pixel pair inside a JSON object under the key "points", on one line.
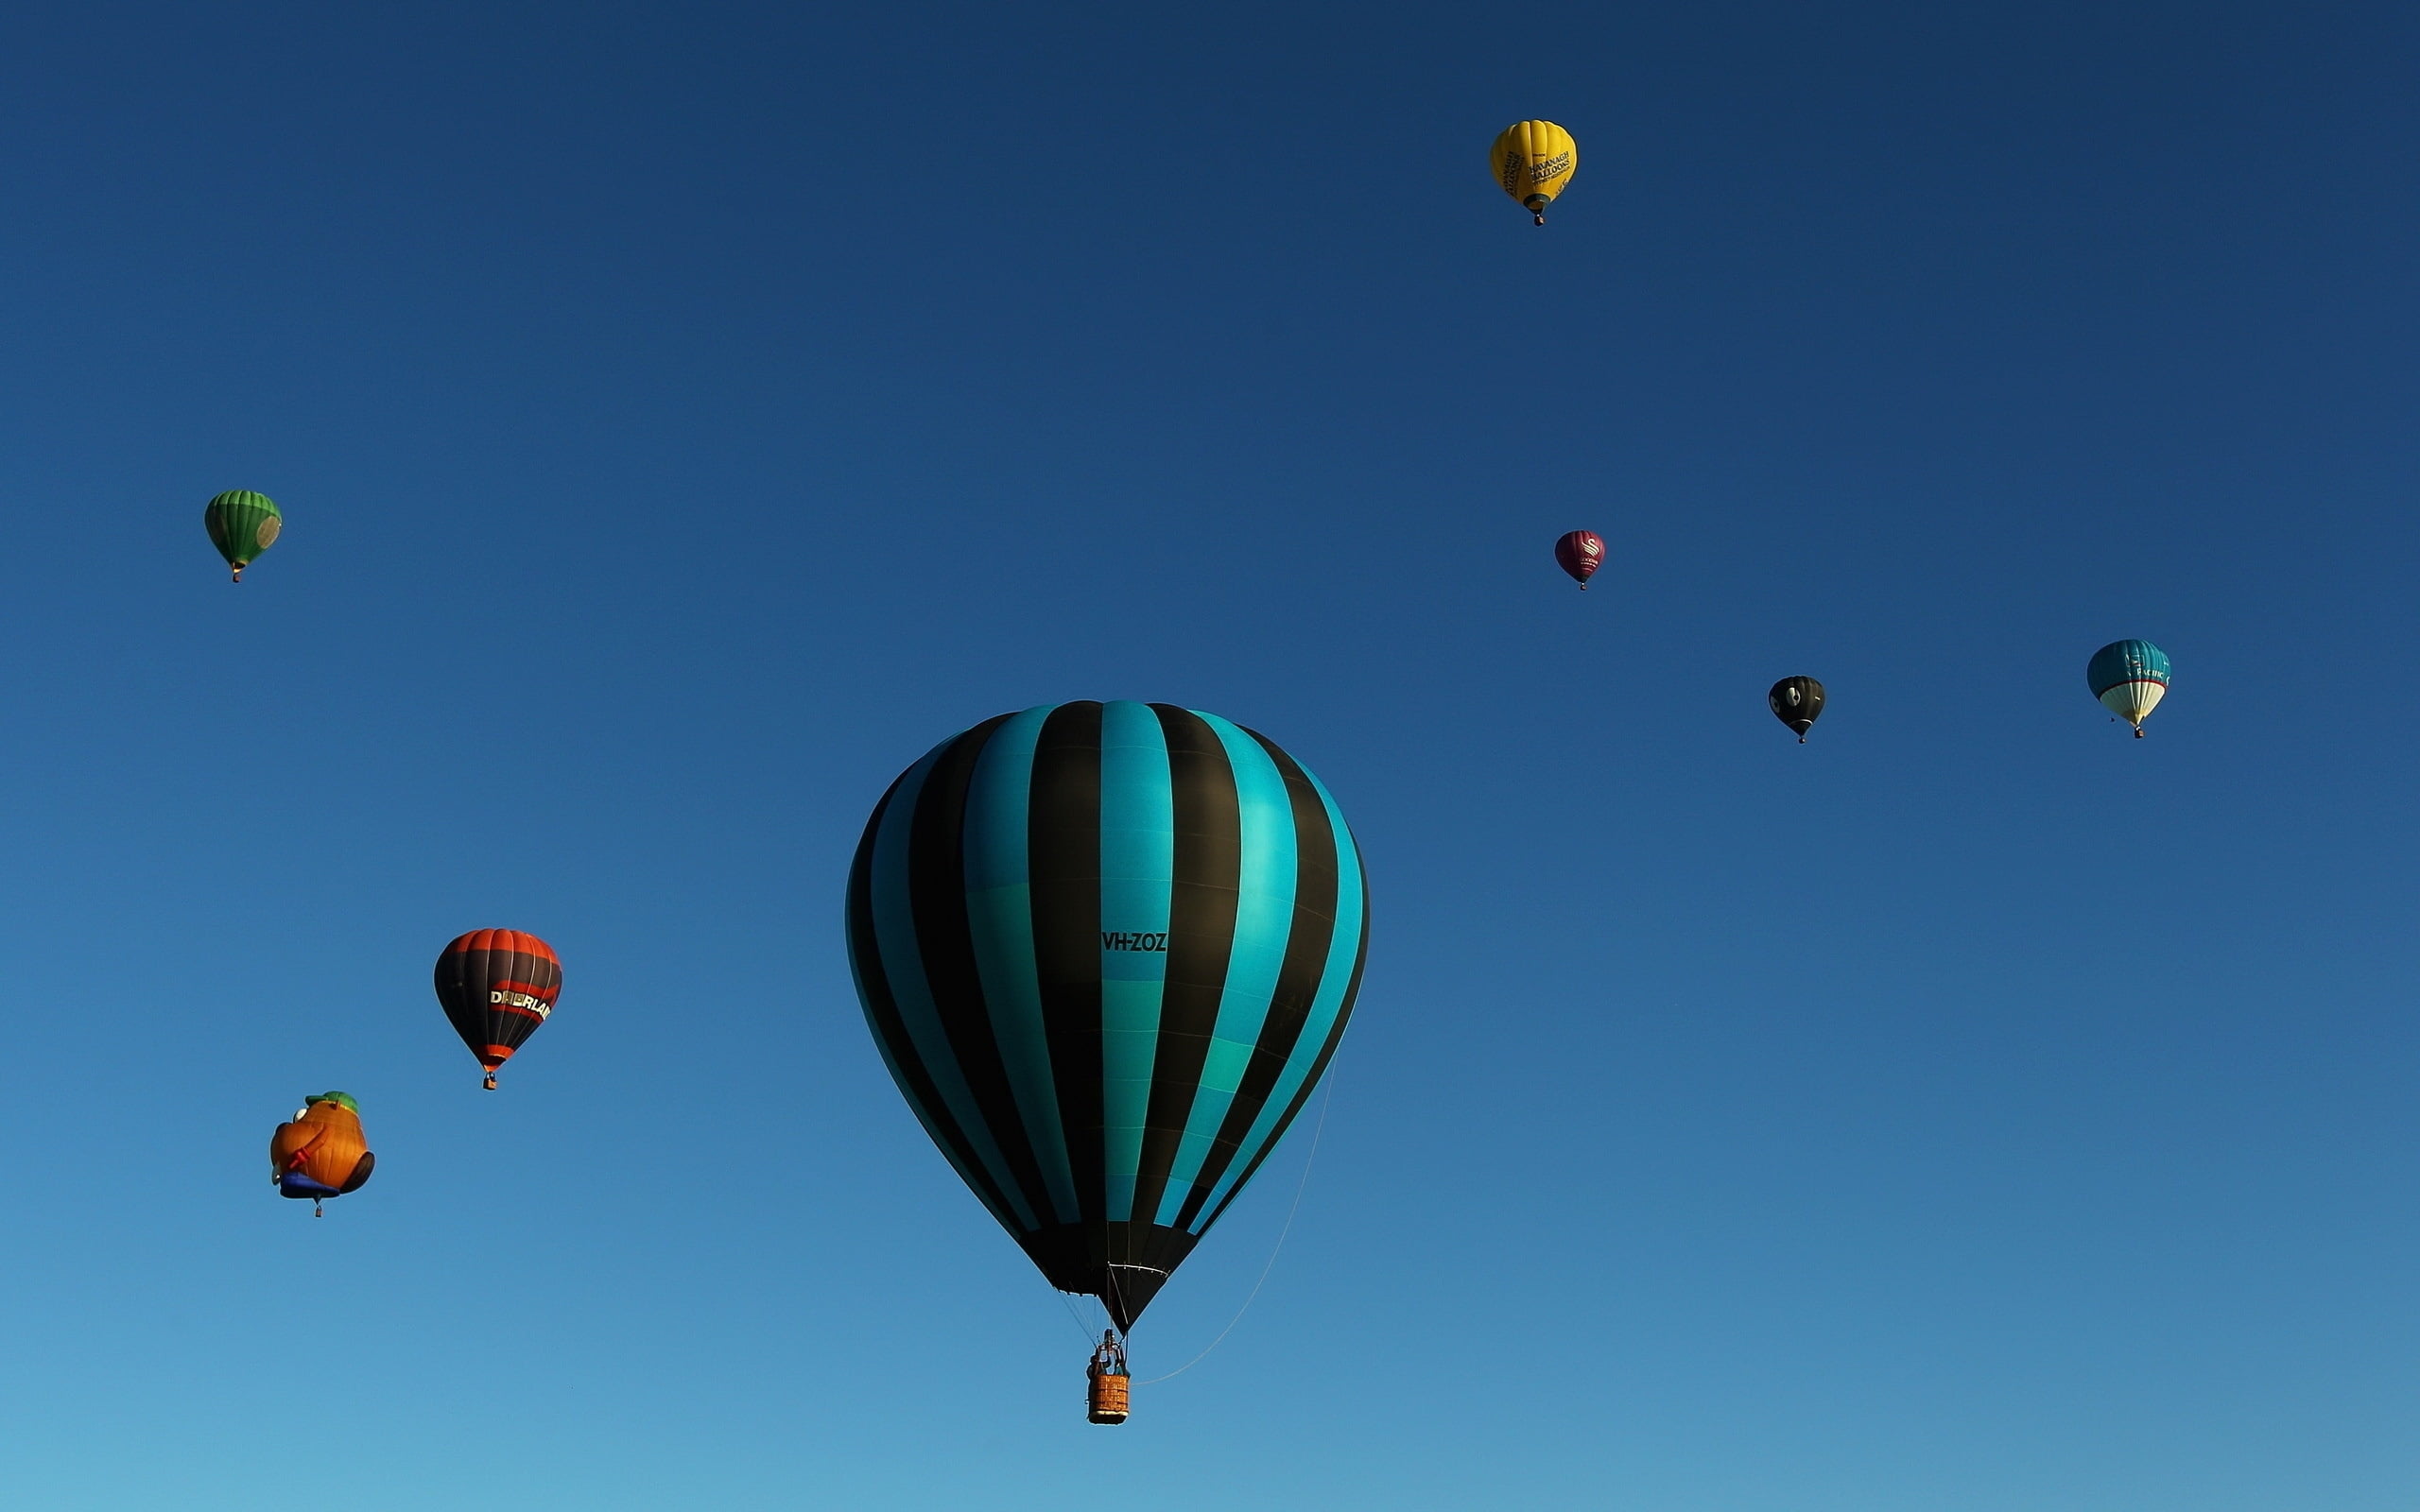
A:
{"points": [[1797, 702], [498, 986]]}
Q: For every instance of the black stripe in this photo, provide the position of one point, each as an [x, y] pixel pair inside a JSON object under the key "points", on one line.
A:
{"points": [[1063, 866], [469, 1006], [882, 1015], [1318, 1067], [506, 1027], [465, 1007], [1308, 939], [1202, 938], [945, 941]]}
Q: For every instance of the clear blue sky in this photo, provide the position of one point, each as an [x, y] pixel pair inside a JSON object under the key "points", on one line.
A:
{"points": [[684, 415]]}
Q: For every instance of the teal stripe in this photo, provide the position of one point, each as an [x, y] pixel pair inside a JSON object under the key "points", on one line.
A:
{"points": [[933, 1129], [1342, 948], [1137, 875], [894, 928], [999, 916], [1263, 919]]}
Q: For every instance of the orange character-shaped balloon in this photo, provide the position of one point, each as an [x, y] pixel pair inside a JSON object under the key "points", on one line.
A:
{"points": [[321, 1154]]}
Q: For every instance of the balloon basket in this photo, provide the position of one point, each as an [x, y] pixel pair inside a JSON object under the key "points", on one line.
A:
{"points": [[1107, 1381], [1108, 1400]]}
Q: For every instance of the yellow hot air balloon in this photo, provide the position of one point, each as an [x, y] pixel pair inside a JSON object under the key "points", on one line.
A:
{"points": [[1534, 161]]}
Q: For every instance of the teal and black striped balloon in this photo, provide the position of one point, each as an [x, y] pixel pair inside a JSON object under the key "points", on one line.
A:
{"points": [[1107, 950]]}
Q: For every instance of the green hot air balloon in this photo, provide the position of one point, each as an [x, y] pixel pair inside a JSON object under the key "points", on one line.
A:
{"points": [[1107, 950], [242, 524]]}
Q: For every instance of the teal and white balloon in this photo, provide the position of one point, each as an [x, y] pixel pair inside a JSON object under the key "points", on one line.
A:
{"points": [[2130, 678]]}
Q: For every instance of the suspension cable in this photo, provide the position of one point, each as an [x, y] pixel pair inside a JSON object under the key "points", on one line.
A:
{"points": [[1073, 1316], [1326, 1094]]}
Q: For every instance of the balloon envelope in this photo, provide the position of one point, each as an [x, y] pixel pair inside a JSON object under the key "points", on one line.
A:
{"points": [[498, 986], [1533, 161], [2130, 678], [1106, 951], [321, 1152], [242, 524], [1580, 553], [1797, 702]]}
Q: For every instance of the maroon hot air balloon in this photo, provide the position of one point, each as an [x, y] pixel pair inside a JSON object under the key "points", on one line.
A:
{"points": [[1579, 553], [498, 986]]}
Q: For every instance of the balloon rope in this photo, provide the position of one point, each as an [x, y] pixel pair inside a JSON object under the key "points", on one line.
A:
{"points": [[1299, 1186], [1077, 1318]]}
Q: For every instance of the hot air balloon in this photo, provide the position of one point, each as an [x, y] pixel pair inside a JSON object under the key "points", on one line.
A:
{"points": [[1580, 553], [2130, 678], [321, 1154], [1106, 951], [1534, 161], [242, 524], [498, 986], [1797, 702]]}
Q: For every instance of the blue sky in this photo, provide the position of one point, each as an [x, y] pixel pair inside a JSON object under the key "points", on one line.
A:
{"points": [[686, 416]]}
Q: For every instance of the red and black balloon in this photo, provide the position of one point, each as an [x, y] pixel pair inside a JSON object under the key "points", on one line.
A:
{"points": [[498, 986]]}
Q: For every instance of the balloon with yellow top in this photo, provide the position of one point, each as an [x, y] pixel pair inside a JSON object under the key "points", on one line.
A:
{"points": [[1533, 161]]}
